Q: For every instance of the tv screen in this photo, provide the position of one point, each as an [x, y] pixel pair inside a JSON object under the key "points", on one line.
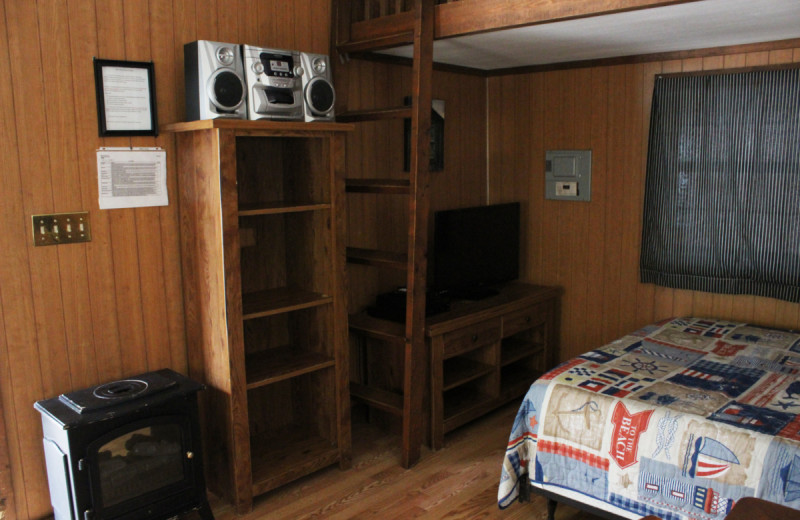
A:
{"points": [[475, 249]]}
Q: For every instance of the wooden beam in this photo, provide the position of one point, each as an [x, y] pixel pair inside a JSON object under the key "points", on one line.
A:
{"points": [[476, 16]]}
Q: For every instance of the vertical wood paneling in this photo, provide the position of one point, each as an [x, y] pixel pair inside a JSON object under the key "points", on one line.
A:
{"points": [[596, 224], [122, 222], [105, 331], [616, 142], [162, 37], [77, 315], [595, 257], [148, 220], [16, 298], [45, 367], [72, 266]]}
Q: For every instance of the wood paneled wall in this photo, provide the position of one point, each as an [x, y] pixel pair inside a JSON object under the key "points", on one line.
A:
{"points": [[76, 315], [592, 248]]}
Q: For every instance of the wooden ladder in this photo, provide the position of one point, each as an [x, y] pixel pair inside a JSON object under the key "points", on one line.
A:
{"points": [[411, 337]]}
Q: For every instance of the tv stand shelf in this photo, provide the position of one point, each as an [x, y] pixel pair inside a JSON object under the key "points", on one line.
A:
{"points": [[485, 353]]}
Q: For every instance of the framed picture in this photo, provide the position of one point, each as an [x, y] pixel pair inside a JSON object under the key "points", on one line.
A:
{"points": [[126, 98]]}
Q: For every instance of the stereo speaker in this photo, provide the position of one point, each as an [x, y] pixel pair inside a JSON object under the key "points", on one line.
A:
{"points": [[318, 93], [215, 84]]}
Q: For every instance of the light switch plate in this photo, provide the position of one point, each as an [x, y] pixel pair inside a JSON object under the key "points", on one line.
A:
{"points": [[61, 228]]}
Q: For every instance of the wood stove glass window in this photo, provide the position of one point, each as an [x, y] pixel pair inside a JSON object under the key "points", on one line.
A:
{"points": [[140, 462]]}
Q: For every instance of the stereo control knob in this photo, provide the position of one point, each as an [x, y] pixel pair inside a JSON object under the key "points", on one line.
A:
{"points": [[258, 67], [319, 65], [225, 55], [298, 71]]}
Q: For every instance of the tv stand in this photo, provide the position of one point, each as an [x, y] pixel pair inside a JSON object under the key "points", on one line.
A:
{"points": [[475, 292], [485, 353]]}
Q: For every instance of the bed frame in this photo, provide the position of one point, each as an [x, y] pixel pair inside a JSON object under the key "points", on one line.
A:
{"points": [[553, 499]]}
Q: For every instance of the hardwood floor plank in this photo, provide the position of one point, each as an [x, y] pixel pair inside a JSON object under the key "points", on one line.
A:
{"points": [[458, 482]]}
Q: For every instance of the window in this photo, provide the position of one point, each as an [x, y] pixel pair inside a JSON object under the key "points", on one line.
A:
{"points": [[722, 195]]}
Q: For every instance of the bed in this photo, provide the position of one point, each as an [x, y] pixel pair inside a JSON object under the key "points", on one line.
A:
{"points": [[679, 419]]}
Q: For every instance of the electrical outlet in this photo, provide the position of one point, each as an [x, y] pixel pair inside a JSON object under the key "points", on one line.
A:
{"points": [[61, 228]]}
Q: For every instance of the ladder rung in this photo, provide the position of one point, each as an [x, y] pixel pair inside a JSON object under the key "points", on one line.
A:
{"points": [[375, 114], [375, 257], [382, 399], [376, 328], [375, 44], [390, 186]]}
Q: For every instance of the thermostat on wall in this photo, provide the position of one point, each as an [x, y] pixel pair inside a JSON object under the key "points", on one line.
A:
{"points": [[568, 175]]}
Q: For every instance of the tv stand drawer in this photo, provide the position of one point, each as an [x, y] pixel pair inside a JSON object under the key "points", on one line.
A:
{"points": [[471, 337]]}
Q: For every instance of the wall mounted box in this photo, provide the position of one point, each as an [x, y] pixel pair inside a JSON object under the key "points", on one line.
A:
{"points": [[568, 175]]}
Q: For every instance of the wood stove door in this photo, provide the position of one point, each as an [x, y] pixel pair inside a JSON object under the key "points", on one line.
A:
{"points": [[143, 469]]}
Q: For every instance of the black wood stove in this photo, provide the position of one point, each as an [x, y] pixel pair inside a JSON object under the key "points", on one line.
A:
{"points": [[126, 450]]}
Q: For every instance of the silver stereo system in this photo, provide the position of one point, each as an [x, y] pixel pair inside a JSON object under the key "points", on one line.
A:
{"points": [[318, 93], [214, 77], [274, 84]]}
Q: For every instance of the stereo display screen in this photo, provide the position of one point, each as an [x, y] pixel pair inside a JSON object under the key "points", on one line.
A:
{"points": [[279, 65]]}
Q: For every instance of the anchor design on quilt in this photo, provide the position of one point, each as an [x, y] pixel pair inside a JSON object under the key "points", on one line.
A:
{"points": [[587, 410]]}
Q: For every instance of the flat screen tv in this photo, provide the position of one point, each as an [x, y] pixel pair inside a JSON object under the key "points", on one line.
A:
{"points": [[475, 249]]}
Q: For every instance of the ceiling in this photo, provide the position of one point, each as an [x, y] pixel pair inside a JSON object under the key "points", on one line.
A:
{"points": [[679, 27]]}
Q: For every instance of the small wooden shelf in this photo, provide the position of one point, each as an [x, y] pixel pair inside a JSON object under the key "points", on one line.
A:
{"points": [[262, 128], [515, 349], [385, 400], [285, 455], [461, 370], [279, 208], [376, 114], [387, 186], [276, 301], [277, 364], [377, 258]]}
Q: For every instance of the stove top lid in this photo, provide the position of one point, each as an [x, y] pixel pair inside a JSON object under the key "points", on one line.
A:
{"points": [[116, 393]]}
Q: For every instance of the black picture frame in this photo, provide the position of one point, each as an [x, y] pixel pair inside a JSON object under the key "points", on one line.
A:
{"points": [[126, 123]]}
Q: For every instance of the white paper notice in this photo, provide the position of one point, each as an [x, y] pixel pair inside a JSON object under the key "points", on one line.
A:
{"points": [[127, 98], [132, 178]]}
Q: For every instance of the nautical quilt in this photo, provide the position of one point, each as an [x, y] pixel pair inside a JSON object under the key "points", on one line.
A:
{"points": [[679, 419]]}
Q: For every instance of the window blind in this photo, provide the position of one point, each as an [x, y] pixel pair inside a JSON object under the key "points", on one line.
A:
{"points": [[722, 191]]}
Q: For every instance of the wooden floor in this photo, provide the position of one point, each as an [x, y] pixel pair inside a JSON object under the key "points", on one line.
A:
{"points": [[457, 482]]}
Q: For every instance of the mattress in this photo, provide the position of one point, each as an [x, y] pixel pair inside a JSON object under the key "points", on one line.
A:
{"points": [[679, 419]]}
